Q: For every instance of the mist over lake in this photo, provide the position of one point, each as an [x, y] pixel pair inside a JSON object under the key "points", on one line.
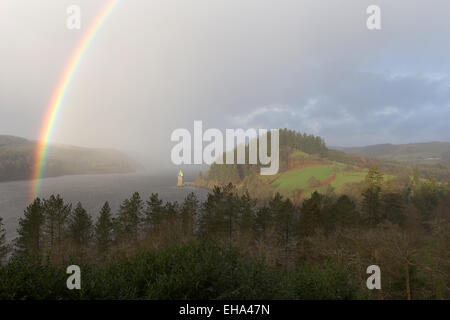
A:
{"points": [[92, 191]]}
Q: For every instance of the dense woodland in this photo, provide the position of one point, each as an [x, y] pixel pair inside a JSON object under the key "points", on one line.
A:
{"points": [[17, 156], [289, 140], [234, 246]]}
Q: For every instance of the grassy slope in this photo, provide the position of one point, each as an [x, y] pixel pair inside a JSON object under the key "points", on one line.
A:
{"points": [[328, 173], [298, 179], [295, 180], [341, 170], [338, 175]]}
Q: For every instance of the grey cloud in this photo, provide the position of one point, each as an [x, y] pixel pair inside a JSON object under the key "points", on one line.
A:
{"points": [[158, 65], [366, 108]]}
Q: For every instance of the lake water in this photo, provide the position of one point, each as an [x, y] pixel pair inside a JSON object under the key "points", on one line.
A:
{"points": [[92, 191]]}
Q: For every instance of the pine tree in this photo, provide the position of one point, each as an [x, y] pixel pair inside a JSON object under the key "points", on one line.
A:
{"points": [[104, 228], [393, 206], [263, 220], [56, 214], [342, 212], [284, 215], [80, 226], [154, 212], [426, 197], [3, 244], [188, 212], [129, 218], [171, 210], [311, 214], [228, 211], [371, 204], [246, 214], [219, 213], [30, 231]]}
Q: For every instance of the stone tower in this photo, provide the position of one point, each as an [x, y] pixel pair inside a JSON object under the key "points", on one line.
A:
{"points": [[180, 179]]}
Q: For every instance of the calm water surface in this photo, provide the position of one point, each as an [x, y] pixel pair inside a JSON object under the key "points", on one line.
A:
{"points": [[91, 190]]}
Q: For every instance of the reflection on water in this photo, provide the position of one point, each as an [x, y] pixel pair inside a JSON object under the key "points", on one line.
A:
{"points": [[91, 190]]}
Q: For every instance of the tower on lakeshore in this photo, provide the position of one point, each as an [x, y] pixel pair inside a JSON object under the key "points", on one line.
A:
{"points": [[180, 179]]}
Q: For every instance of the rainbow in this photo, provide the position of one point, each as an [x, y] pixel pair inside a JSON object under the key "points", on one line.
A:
{"points": [[57, 99]]}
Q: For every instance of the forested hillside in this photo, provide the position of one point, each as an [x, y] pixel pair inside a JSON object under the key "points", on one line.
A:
{"points": [[17, 156], [307, 165]]}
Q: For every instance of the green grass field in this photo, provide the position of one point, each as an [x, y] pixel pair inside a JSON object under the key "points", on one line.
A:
{"points": [[348, 177], [298, 179]]}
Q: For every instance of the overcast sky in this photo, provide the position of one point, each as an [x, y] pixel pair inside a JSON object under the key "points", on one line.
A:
{"points": [[155, 66]]}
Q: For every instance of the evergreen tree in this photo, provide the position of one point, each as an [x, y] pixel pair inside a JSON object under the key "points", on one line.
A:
{"points": [[343, 212], [229, 210], [246, 214], [311, 214], [393, 207], [30, 231], [3, 244], [188, 213], [263, 221], [56, 214], [154, 212], [284, 215], [104, 228], [371, 204], [129, 218], [80, 226], [426, 196], [171, 210], [219, 213]]}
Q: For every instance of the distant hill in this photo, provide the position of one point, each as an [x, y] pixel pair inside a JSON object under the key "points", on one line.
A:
{"points": [[17, 156], [307, 165], [428, 152]]}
